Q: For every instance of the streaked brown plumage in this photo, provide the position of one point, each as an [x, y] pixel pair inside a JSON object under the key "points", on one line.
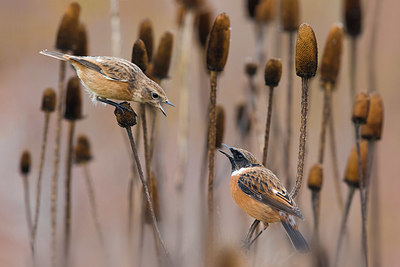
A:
{"points": [[259, 193], [114, 78]]}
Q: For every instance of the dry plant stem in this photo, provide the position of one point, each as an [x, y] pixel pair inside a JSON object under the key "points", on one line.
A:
{"points": [[370, 156], [303, 136], [115, 28], [287, 141], [353, 66], [39, 180], [28, 209], [54, 181], [343, 224], [375, 222], [259, 29], [268, 125], [315, 200], [325, 119], [147, 194]]}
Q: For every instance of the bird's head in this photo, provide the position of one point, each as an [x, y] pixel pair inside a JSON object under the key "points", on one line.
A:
{"points": [[153, 94], [240, 158]]}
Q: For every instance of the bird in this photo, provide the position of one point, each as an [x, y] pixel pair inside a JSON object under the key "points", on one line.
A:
{"points": [[115, 78], [259, 193]]}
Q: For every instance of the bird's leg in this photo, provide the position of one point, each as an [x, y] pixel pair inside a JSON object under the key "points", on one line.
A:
{"points": [[248, 244], [250, 233], [112, 103]]}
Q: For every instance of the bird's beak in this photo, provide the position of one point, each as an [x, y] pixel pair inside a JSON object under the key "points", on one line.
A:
{"points": [[229, 157], [228, 147], [162, 110], [226, 154], [169, 103]]}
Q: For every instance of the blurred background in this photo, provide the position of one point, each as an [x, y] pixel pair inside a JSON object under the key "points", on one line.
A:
{"points": [[29, 26]]}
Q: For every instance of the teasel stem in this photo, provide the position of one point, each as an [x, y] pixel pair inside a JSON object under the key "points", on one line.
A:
{"points": [[268, 125], [325, 119], [260, 37], [115, 28], [315, 180], [315, 200], [28, 210], [353, 68]]}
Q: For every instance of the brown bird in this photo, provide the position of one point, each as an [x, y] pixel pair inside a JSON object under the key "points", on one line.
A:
{"points": [[260, 194], [114, 78]]}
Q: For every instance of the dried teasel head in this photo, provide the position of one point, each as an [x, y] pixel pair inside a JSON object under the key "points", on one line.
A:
{"points": [[273, 72], [243, 118], [229, 257], [125, 118], [49, 100], [360, 108], [73, 104], [81, 45], [25, 162], [220, 126], [82, 150], [330, 63], [251, 7], [68, 29], [352, 17], [203, 22], [162, 59], [372, 130], [315, 177], [147, 36], [251, 68], [266, 11], [352, 173], [218, 43], [139, 55], [155, 200], [290, 15], [306, 52]]}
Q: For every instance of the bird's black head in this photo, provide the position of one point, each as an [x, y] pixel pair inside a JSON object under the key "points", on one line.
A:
{"points": [[240, 158]]}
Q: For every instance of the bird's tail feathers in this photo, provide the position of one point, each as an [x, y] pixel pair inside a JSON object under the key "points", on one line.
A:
{"points": [[54, 54], [294, 234]]}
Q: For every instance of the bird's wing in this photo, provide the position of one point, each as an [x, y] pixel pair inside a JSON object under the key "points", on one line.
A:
{"points": [[262, 185]]}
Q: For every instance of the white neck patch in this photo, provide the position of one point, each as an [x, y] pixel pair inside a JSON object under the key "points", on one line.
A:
{"points": [[240, 171]]}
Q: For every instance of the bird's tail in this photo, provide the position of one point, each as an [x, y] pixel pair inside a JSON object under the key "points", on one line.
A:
{"points": [[294, 234], [55, 54]]}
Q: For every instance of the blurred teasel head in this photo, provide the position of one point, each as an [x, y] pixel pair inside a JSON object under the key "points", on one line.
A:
{"points": [[68, 29], [48, 100], [306, 52]]}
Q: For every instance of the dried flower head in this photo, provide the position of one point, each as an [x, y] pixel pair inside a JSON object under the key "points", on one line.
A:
{"points": [[266, 11], [372, 130], [81, 45], [68, 29], [360, 108], [25, 162], [315, 177], [352, 17], [218, 43], [306, 52], [290, 15], [139, 55], [125, 118], [49, 100], [220, 126], [273, 72], [73, 104], [243, 118], [331, 58], [352, 173], [251, 68], [162, 59], [147, 36], [82, 150], [203, 22], [251, 7], [155, 200]]}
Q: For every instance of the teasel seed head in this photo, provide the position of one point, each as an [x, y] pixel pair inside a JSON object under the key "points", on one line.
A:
{"points": [[203, 22], [331, 58], [306, 52], [139, 55], [273, 72], [68, 28], [251, 7], [251, 68], [360, 108], [147, 36], [290, 15], [266, 11], [125, 118], [81, 45], [218, 43], [243, 119], [82, 150], [372, 130], [155, 200], [220, 126], [73, 104], [315, 177], [25, 162], [352, 174], [352, 17], [162, 59], [49, 100]]}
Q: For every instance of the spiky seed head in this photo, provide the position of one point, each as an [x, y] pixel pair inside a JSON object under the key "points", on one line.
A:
{"points": [[243, 118], [155, 200], [290, 15], [352, 17], [125, 118], [203, 22], [360, 108], [273, 72], [251, 7], [81, 45], [162, 59], [352, 173], [68, 28], [139, 55], [82, 150], [25, 162], [266, 11], [220, 126], [73, 104], [218, 43], [372, 130], [306, 52], [147, 36], [49, 100], [315, 177], [251, 68], [331, 58]]}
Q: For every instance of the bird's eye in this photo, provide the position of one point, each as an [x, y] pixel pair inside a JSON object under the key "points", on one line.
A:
{"points": [[155, 95], [240, 156]]}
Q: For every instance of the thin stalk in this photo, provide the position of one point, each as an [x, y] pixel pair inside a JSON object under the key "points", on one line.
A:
{"points": [[376, 221], [39, 180], [343, 224], [315, 200], [353, 66], [115, 28], [28, 210], [268, 125], [259, 29], [370, 157], [303, 136], [325, 119]]}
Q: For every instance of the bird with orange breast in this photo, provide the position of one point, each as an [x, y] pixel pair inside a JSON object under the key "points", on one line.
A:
{"points": [[108, 78], [259, 193]]}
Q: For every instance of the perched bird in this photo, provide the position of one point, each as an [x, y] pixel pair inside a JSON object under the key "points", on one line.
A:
{"points": [[114, 78], [260, 194]]}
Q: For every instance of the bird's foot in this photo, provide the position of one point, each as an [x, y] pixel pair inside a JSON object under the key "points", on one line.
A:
{"points": [[118, 106]]}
